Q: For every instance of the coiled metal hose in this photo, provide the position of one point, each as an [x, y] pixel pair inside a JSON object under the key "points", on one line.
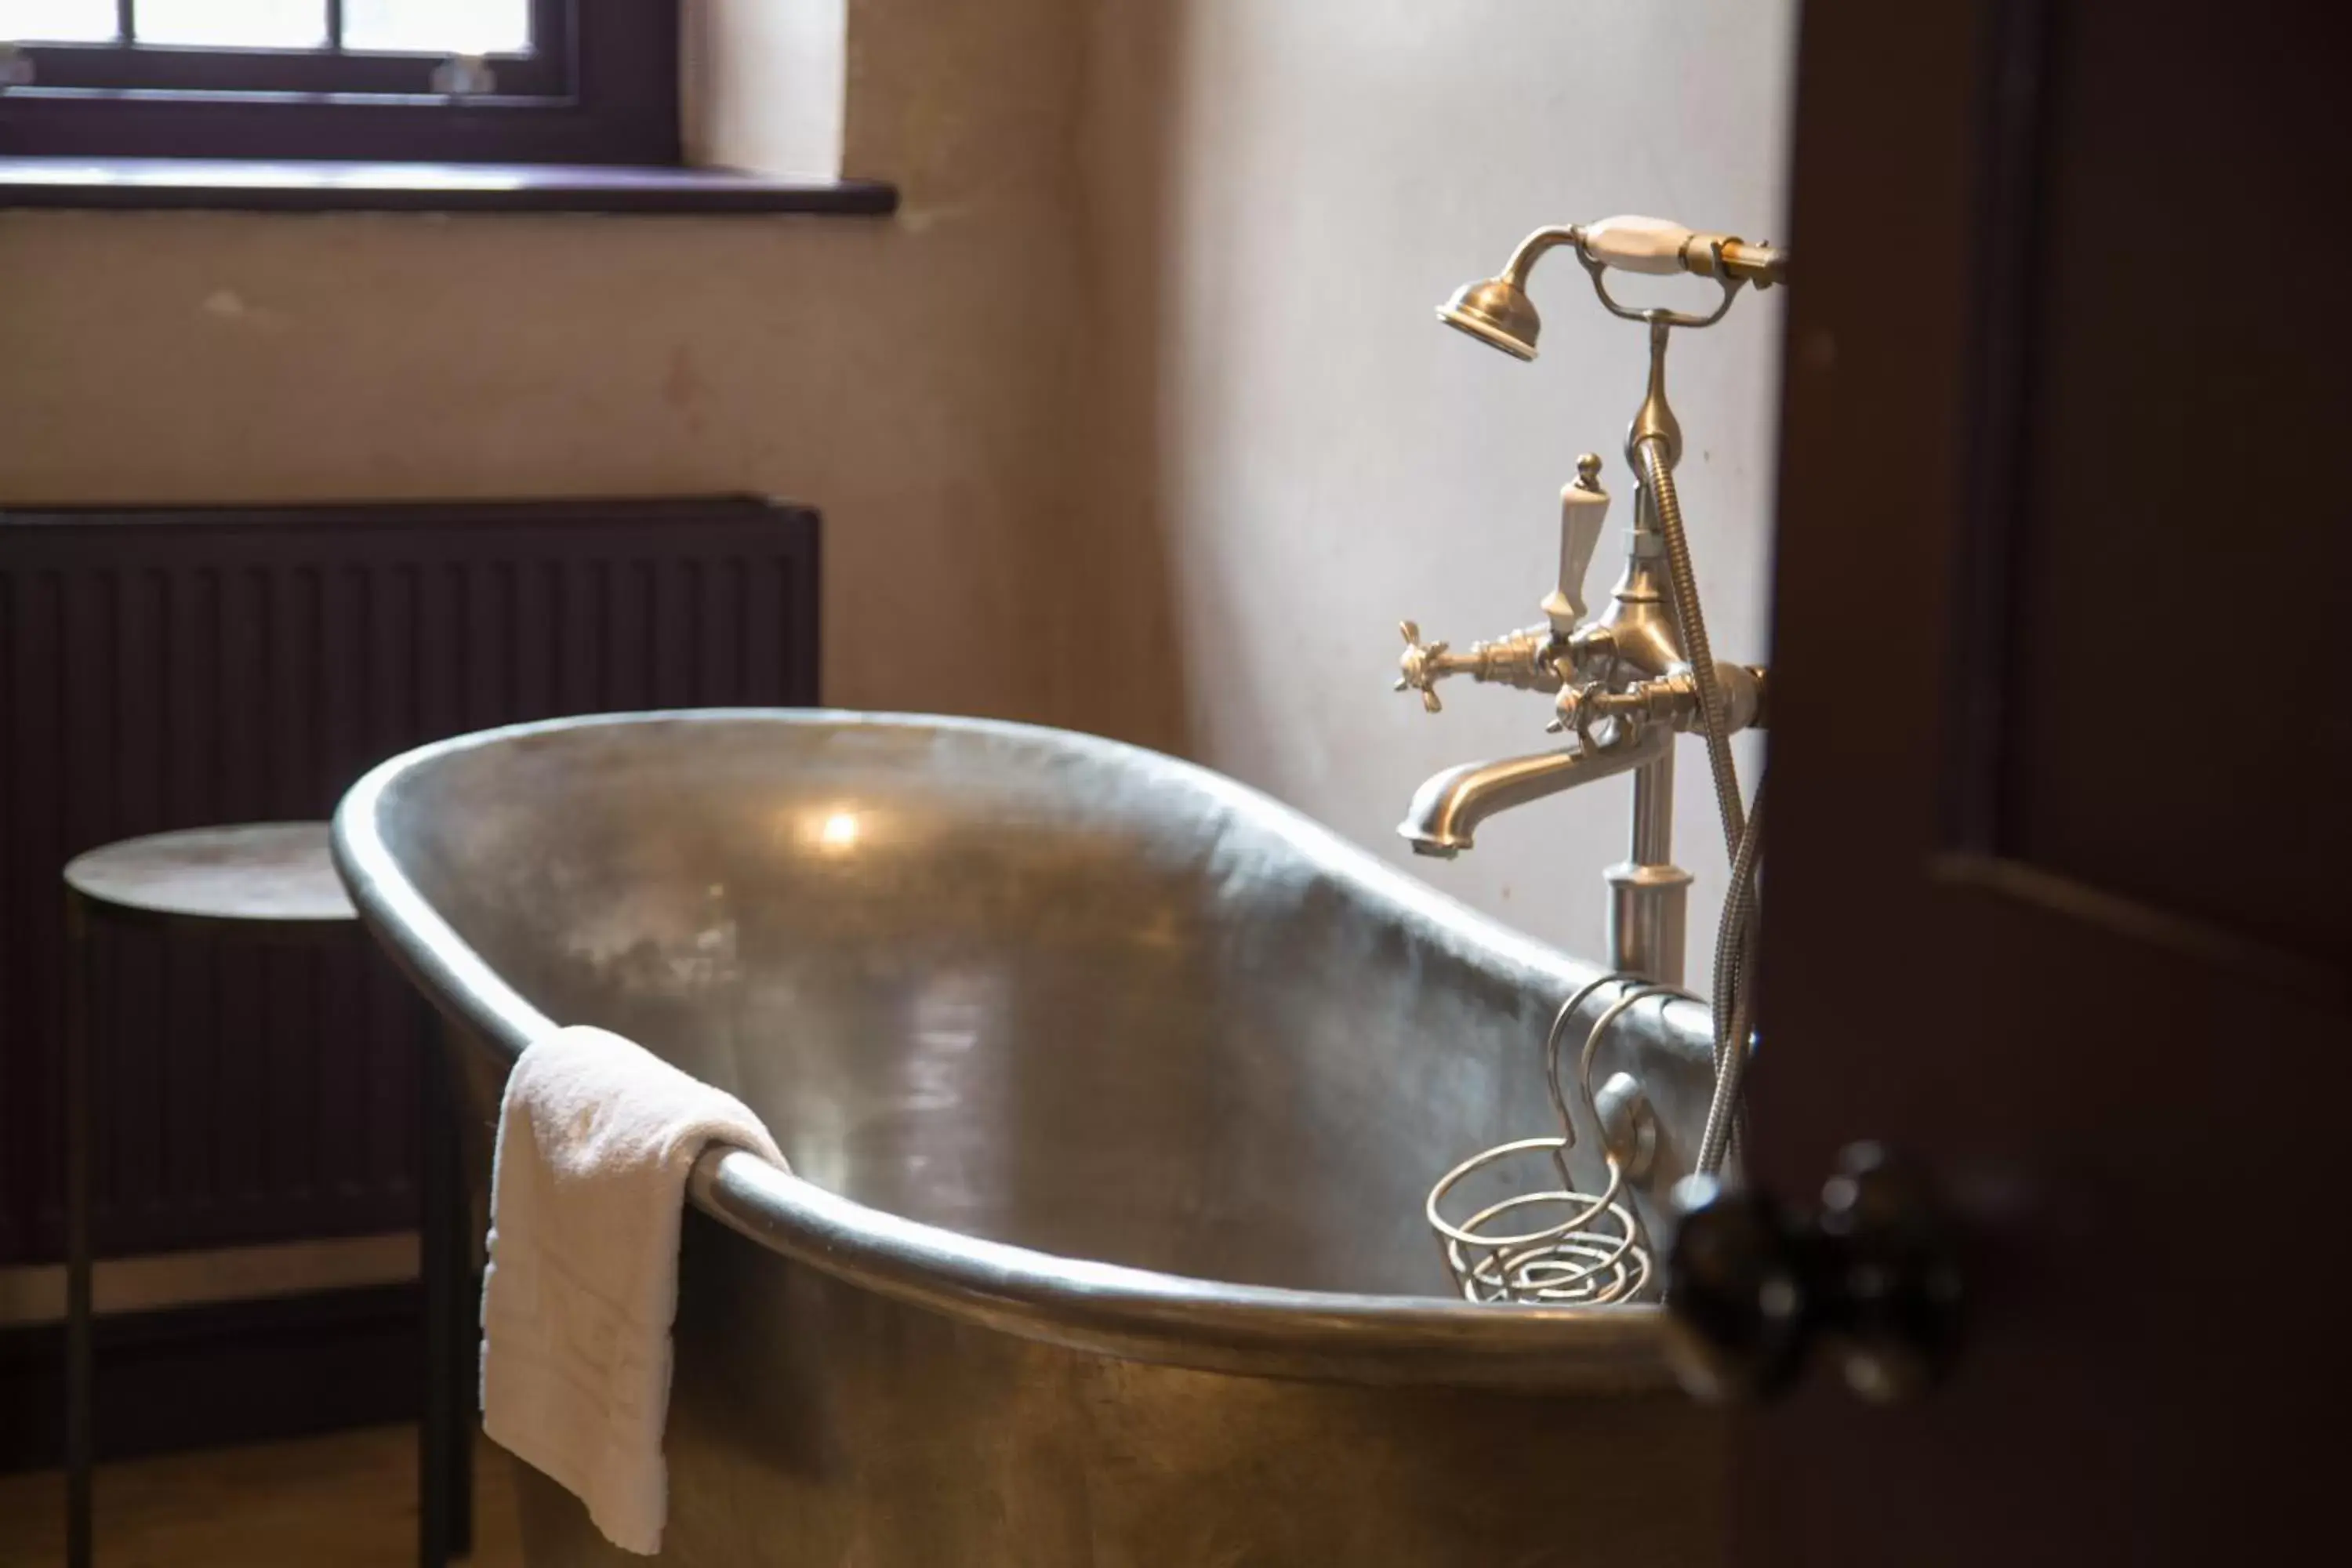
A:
{"points": [[1741, 841], [1658, 479], [1735, 969], [1738, 903]]}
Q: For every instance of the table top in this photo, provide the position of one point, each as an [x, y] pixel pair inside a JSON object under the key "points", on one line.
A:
{"points": [[267, 872]]}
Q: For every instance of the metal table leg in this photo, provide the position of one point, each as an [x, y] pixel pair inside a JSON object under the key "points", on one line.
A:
{"points": [[79, 1146], [433, 1266], [444, 1436]]}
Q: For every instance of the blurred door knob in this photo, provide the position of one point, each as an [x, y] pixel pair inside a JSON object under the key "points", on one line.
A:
{"points": [[1871, 1278]]}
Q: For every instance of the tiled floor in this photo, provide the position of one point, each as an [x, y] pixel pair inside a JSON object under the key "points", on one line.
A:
{"points": [[343, 1502]]}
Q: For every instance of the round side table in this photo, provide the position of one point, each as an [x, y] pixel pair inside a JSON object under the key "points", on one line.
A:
{"points": [[268, 882]]}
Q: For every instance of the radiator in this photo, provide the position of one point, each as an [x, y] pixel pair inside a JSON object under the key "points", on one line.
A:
{"points": [[172, 668]]}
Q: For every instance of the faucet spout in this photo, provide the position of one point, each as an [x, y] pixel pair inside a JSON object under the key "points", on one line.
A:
{"points": [[1448, 807]]}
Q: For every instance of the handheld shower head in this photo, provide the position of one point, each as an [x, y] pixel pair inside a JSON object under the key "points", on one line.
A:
{"points": [[1497, 312]]}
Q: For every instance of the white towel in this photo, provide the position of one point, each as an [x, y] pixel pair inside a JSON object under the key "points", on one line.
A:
{"points": [[595, 1137]]}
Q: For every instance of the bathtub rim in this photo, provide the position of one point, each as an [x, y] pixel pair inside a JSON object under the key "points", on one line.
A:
{"points": [[1107, 1308]]}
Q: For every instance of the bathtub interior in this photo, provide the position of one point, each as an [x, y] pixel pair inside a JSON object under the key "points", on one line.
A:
{"points": [[1022, 987]]}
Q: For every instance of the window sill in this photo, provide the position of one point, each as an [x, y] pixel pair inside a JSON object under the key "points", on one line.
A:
{"points": [[257, 185]]}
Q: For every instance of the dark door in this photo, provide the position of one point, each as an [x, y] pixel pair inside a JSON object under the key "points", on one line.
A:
{"points": [[2058, 877]]}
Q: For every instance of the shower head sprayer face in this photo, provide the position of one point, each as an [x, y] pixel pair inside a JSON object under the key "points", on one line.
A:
{"points": [[1497, 312]]}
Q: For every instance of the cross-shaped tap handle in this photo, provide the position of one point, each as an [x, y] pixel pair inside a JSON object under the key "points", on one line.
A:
{"points": [[1421, 667]]}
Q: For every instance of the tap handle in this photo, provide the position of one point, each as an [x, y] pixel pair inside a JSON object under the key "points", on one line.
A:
{"points": [[1630, 243], [1421, 667], [1583, 509], [1658, 246]]}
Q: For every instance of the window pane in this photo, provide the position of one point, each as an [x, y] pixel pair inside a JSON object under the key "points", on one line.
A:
{"points": [[439, 26], [251, 23], [56, 21]]}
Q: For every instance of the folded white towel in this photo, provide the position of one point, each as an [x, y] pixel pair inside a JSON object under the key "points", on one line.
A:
{"points": [[595, 1137]]}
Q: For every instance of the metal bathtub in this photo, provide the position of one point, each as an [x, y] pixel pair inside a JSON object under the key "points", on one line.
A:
{"points": [[1112, 1090]]}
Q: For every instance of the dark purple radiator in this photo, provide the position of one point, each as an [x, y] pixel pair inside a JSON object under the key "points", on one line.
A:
{"points": [[166, 669]]}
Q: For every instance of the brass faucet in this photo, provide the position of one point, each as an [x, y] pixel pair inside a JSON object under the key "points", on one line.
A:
{"points": [[1624, 683]]}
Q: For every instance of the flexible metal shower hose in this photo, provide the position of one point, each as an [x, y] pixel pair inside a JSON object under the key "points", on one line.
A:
{"points": [[1741, 842], [1735, 972], [1682, 574]]}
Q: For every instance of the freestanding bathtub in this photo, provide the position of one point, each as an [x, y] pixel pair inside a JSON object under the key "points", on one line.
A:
{"points": [[1112, 1090]]}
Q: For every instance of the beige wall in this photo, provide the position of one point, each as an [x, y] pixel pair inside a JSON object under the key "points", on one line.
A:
{"points": [[1289, 189], [909, 377], [1135, 418]]}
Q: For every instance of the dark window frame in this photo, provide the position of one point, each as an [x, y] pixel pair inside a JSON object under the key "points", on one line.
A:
{"points": [[600, 87]]}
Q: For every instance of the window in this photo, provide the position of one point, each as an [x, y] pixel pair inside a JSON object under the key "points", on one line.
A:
{"points": [[533, 81]]}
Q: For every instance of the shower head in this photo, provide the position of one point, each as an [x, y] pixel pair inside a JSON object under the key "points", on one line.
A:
{"points": [[1497, 312]]}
